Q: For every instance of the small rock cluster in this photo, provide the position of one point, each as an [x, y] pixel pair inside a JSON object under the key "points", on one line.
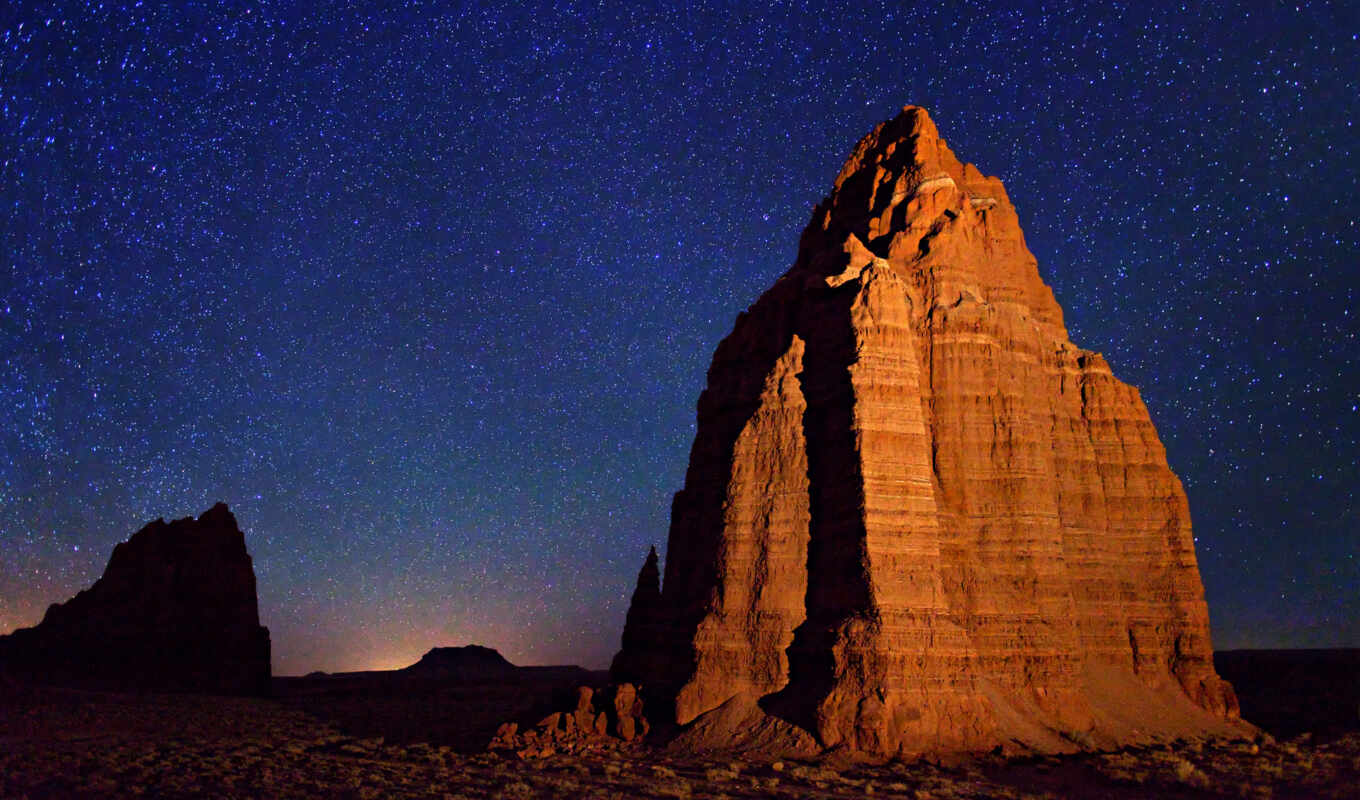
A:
{"points": [[609, 716], [916, 515]]}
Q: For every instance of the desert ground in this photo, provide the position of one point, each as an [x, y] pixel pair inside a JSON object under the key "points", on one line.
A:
{"points": [[324, 737]]}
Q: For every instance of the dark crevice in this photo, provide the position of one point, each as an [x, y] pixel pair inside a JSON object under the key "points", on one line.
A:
{"points": [[665, 650], [838, 582]]}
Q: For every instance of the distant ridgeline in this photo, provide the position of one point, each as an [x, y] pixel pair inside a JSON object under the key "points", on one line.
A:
{"points": [[464, 663], [175, 609]]}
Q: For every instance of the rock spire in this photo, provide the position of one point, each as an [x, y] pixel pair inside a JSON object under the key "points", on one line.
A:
{"points": [[916, 517], [644, 614]]}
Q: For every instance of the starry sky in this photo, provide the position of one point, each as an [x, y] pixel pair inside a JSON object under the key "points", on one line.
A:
{"points": [[426, 293]]}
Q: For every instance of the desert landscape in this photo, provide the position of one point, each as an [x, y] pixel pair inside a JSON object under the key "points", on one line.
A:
{"points": [[60, 743], [926, 547]]}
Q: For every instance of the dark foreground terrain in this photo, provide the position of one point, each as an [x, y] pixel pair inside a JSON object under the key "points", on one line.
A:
{"points": [[457, 712], [320, 738], [1290, 692]]}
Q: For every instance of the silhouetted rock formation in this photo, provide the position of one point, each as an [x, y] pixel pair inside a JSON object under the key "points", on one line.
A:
{"points": [[604, 718], [175, 609], [452, 696], [644, 614], [917, 518], [472, 662]]}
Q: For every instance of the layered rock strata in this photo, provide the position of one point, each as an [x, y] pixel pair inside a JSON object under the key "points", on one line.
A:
{"points": [[916, 517], [175, 609]]}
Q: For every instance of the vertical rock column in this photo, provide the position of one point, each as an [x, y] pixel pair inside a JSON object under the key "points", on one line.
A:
{"points": [[917, 518]]}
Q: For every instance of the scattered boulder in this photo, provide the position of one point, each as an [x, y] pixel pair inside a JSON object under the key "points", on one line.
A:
{"points": [[175, 609], [606, 718], [628, 720]]}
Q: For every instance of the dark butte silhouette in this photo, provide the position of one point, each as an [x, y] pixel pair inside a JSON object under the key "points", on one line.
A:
{"points": [[175, 609]]}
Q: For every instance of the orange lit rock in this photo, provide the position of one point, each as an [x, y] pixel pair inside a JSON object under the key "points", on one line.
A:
{"points": [[608, 718], [917, 518]]}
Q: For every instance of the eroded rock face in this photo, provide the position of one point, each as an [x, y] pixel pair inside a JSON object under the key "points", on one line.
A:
{"points": [[917, 518], [175, 609]]}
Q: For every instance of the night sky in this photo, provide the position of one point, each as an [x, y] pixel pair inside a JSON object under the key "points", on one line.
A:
{"points": [[427, 295]]}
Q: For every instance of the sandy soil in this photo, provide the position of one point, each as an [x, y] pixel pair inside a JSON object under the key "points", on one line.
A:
{"points": [[68, 743]]}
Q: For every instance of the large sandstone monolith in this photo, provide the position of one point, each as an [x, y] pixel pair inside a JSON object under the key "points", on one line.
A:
{"points": [[175, 609], [917, 518]]}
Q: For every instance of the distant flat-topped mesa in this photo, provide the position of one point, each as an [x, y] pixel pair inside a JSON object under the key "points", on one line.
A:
{"points": [[469, 662], [917, 518], [175, 609]]}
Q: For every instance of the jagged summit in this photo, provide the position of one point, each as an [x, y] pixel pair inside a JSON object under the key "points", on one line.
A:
{"points": [[649, 577], [900, 192], [910, 136], [917, 518], [176, 608]]}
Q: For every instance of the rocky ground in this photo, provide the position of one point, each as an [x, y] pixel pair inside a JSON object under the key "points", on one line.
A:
{"points": [[67, 743], [462, 713]]}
